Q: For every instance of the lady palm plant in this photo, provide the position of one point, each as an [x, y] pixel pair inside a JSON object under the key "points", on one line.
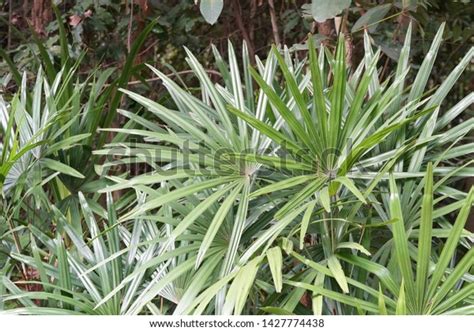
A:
{"points": [[216, 188], [46, 142], [119, 269], [419, 277], [48, 130], [306, 148], [27, 126], [50, 124], [108, 273], [39, 129], [290, 156]]}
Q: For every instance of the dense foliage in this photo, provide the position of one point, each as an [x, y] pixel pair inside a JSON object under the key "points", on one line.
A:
{"points": [[331, 176]]}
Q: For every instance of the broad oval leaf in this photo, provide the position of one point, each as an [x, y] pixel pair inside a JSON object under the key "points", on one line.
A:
{"points": [[211, 9], [371, 18], [323, 9]]}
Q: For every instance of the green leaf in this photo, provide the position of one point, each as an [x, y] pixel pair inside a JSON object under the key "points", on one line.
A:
{"points": [[335, 266], [379, 270], [281, 185], [211, 9], [216, 223], [63, 267], [319, 104], [61, 167], [353, 245], [324, 199], [310, 189], [424, 238], [371, 17], [282, 108], [298, 97], [239, 290], [462, 267], [270, 132], [215, 97], [346, 299], [152, 290], [125, 73], [317, 299], [276, 311], [381, 301], [205, 297], [367, 289], [452, 301], [426, 66], [337, 98], [176, 194], [269, 235], [275, 262], [305, 222], [323, 9], [401, 302], [400, 238], [238, 228], [349, 184], [199, 281], [198, 211], [450, 245]]}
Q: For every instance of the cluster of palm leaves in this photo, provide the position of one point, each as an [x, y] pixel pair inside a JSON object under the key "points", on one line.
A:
{"points": [[292, 187]]}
